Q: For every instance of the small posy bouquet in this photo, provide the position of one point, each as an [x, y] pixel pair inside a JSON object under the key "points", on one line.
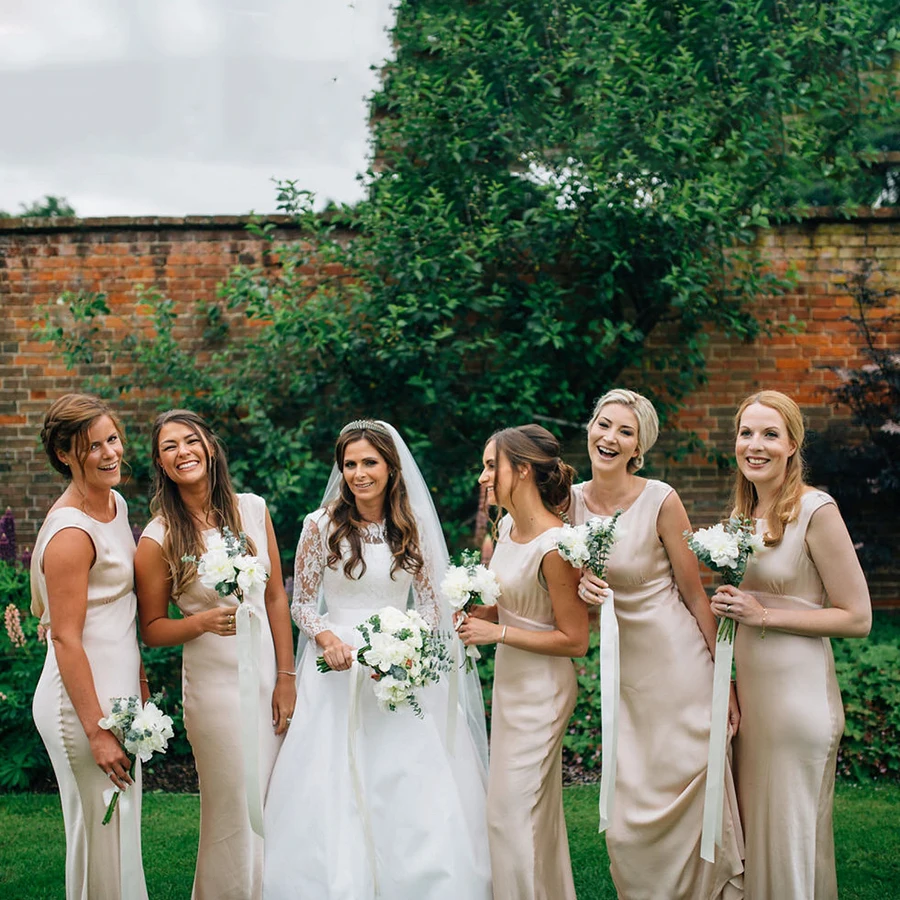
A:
{"points": [[467, 584], [227, 567], [590, 544], [142, 731], [726, 548], [403, 653]]}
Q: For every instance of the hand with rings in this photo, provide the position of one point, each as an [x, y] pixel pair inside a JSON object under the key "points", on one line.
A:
{"points": [[220, 620], [733, 603], [591, 589]]}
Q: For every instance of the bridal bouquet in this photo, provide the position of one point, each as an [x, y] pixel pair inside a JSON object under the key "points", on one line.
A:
{"points": [[404, 655], [726, 548], [142, 731], [227, 567], [467, 584], [589, 544]]}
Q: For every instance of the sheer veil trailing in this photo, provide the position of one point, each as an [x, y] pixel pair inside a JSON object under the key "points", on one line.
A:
{"points": [[464, 685]]}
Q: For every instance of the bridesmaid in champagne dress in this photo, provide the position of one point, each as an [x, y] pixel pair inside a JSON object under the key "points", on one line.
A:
{"points": [[805, 587], [82, 583], [540, 623], [193, 500], [666, 634]]}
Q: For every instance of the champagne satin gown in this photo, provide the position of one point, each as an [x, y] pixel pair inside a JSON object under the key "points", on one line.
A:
{"points": [[666, 676], [533, 699], [785, 752], [230, 854], [109, 638]]}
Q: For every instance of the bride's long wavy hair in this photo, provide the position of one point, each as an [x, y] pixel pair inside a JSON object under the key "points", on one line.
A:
{"points": [[400, 531], [183, 535]]}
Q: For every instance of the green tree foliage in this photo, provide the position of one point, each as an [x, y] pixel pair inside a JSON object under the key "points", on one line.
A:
{"points": [[47, 208], [562, 196]]}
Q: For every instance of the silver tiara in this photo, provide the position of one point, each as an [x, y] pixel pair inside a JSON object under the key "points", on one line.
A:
{"points": [[364, 425]]}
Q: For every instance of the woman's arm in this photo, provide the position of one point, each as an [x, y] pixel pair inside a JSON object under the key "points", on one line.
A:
{"points": [[284, 697], [153, 585], [671, 525], [67, 563], [831, 551], [569, 638], [309, 568]]}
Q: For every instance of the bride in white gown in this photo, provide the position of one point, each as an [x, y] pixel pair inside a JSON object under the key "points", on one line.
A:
{"points": [[364, 803]]}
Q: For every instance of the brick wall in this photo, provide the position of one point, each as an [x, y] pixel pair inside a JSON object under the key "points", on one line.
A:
{"points": [[186, 258]]}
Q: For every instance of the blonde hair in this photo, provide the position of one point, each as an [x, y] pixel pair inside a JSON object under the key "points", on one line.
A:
{"points": [[644, 412], [787, 501]]}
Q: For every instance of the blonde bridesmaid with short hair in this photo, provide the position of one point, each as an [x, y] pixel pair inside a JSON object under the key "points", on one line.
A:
{"points": [[806, 587], [667, 636]]}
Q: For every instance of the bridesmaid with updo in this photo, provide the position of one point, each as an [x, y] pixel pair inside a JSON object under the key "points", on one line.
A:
{"points": [[82, 588], [807, 586], [538, 624]]}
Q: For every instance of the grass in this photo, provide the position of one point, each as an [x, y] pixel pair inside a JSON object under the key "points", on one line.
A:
{"points": [[32, 844]]}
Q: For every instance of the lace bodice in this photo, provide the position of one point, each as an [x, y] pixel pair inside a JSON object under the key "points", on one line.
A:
{"points": [[375, 589]]}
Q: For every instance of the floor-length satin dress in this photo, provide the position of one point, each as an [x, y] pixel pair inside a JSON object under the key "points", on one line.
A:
{"points": [[366, 803], [792, 720], [666, 675], [533, 699], [109, 638], [230, 854]]}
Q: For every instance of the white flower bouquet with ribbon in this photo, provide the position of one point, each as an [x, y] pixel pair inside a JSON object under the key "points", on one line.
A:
{"points": [[142, 731], [464, 586], [589, 546], [227, 568], [725, 548], [404, 655]]}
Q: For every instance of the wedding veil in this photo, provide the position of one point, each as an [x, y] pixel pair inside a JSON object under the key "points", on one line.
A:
{"points": [[466, 685]]}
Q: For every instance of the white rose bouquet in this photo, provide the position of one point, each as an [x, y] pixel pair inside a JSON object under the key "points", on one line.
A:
{"points": [[227, 567], [142, 731], [726, 548], [590, 544], [404, 655], [467, 584]]}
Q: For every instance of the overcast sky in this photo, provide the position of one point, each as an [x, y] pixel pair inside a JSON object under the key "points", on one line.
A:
{"points": [[178, 107]]}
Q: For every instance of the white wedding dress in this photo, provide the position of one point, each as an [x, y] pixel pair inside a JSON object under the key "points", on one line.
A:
{"points": [[365, 803]]}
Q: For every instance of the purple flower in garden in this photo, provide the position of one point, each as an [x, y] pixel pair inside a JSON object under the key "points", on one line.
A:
{"points": [[25, 558], [7, 536], [136, 532]]}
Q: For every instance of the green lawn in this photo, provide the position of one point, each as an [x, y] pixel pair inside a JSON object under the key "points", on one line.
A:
{"points": [[32, 852]]}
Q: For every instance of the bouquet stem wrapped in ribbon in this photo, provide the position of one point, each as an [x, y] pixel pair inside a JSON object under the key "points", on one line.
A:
{"points": [[725, 548], [466, 585], [227, 568], [142, 731], [589, 546]]}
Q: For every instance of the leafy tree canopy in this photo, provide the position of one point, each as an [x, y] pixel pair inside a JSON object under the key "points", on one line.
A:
{"points": [[47, 208], [562, 196]]}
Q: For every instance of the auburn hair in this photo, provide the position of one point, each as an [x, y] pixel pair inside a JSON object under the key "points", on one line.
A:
{"points": [[786, 507], [66, 427]]}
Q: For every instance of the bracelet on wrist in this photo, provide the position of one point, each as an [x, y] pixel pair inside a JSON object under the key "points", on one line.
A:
{"points": [[503, 635], [765, 614], [145, 680], [286, 672]]}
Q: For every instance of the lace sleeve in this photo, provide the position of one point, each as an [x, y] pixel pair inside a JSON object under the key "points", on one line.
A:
{"points": [[424, 590], [309, 566]]}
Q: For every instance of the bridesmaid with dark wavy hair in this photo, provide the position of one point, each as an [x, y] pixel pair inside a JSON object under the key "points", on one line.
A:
{"points": [[193, 500], [538, 624]]}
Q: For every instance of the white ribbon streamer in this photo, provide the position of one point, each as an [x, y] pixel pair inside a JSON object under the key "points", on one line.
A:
{"points": [[356, 678], [714, 800], [453, 697], [247, 630], [609, 706], [131, 870]]}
